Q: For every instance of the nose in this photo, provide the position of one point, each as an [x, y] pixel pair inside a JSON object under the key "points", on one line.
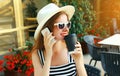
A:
{"points": [[66, 29]]}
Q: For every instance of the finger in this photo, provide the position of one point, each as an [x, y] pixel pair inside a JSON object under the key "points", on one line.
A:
{"points": [[77, 49], [47, 38], [77, 42], [78, 46], [53, 42], [52, 39], [49, 35]]}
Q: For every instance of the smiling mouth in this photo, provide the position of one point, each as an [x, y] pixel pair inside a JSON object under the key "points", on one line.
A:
{"points": [[64, 34]]}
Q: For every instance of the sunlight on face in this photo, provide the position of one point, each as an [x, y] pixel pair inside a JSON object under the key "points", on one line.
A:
{"points": [[60, 33]]}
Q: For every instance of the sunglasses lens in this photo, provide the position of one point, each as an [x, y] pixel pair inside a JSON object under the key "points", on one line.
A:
{"points": [[69, 25], [61, 26]]}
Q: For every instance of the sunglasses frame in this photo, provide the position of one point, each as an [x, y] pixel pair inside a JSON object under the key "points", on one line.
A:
{"points": [[65, 25]]}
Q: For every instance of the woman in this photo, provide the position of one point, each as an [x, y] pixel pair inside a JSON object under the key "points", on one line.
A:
{"points": [[50, 55]]}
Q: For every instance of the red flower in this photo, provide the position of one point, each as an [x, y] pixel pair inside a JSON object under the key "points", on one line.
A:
{"points": [[19, 61], [92, 31], [97, 34], [1, 67], [79, 35], [99, 30], [19, 70], [24, 61], [26, 53], [10, 66], [1, 62], [96, 40], [29, 71]]}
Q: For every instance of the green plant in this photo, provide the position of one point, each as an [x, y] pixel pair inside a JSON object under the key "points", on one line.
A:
{"points": [[99, 30], [83, 18], [30, 8], [18, 60]]}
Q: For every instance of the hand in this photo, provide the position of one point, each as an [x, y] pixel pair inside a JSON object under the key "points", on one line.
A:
{"points": [[77, 54], [49, 41]]}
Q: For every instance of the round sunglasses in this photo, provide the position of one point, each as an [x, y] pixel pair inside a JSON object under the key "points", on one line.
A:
{"points": [[61, 25]]}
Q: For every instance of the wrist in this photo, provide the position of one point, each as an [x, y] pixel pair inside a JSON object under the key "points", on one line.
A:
{"points": [[48, 57], [79, 62], [49, 53]]}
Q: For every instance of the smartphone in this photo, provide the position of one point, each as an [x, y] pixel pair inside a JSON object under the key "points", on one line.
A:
{"points": [[48, 31], [45, 30]]}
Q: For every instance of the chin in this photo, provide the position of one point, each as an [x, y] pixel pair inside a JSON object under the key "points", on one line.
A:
{"points": [[60, 38]]}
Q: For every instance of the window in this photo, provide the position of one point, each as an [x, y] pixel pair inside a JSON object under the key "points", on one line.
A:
{"points": [[13, 32]]}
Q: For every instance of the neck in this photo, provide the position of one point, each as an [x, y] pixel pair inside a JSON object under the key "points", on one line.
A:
{"points": [[59, 46]]}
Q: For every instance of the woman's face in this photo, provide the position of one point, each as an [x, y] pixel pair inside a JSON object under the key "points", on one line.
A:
{"points": [[60, 33]]}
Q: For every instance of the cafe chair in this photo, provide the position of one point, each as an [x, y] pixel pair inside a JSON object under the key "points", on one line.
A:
{"points": [[92, 71], [111, 63], [93, 50]]}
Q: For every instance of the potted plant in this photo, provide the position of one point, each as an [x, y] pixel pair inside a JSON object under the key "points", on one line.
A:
{"points": [[18, 62]]}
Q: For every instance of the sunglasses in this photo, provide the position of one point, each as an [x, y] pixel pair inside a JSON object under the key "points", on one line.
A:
{"points": [[63, 25]]}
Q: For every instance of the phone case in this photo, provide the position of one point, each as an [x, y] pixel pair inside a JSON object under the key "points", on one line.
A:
{"points": [[45, 30]]}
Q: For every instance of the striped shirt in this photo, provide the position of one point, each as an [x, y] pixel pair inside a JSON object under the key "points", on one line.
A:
{"points": [[62, 70]]}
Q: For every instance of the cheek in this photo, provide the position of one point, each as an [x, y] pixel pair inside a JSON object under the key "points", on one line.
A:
{"points": [[57, 34]]}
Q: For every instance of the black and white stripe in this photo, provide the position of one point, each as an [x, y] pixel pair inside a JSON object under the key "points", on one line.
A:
{"points": [[62, 70]]}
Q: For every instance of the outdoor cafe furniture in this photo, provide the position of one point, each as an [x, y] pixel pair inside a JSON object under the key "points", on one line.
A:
{"points": [[111, 63], [113, 42], [92, 71], [93, 50]]}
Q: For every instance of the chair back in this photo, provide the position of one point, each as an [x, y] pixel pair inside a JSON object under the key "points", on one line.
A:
{"points": [[89, 39], [111, 63], [93, 49], [92, 71]]}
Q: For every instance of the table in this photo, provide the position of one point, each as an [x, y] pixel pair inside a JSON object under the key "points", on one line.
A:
{"points": [[113, 40]]}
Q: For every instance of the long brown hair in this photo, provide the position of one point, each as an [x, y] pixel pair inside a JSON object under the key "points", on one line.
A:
{"points": [[39, 43]]}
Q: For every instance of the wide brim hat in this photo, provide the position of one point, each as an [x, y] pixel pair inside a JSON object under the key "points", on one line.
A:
{"points": [[50, 10]]}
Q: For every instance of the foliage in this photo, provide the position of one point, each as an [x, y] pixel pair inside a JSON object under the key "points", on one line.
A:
{"points": [[18, 60], [99, 30], [83, 18], [31, 9]]}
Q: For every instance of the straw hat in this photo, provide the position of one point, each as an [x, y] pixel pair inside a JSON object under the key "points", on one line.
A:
{"points": [[48, 11]]}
